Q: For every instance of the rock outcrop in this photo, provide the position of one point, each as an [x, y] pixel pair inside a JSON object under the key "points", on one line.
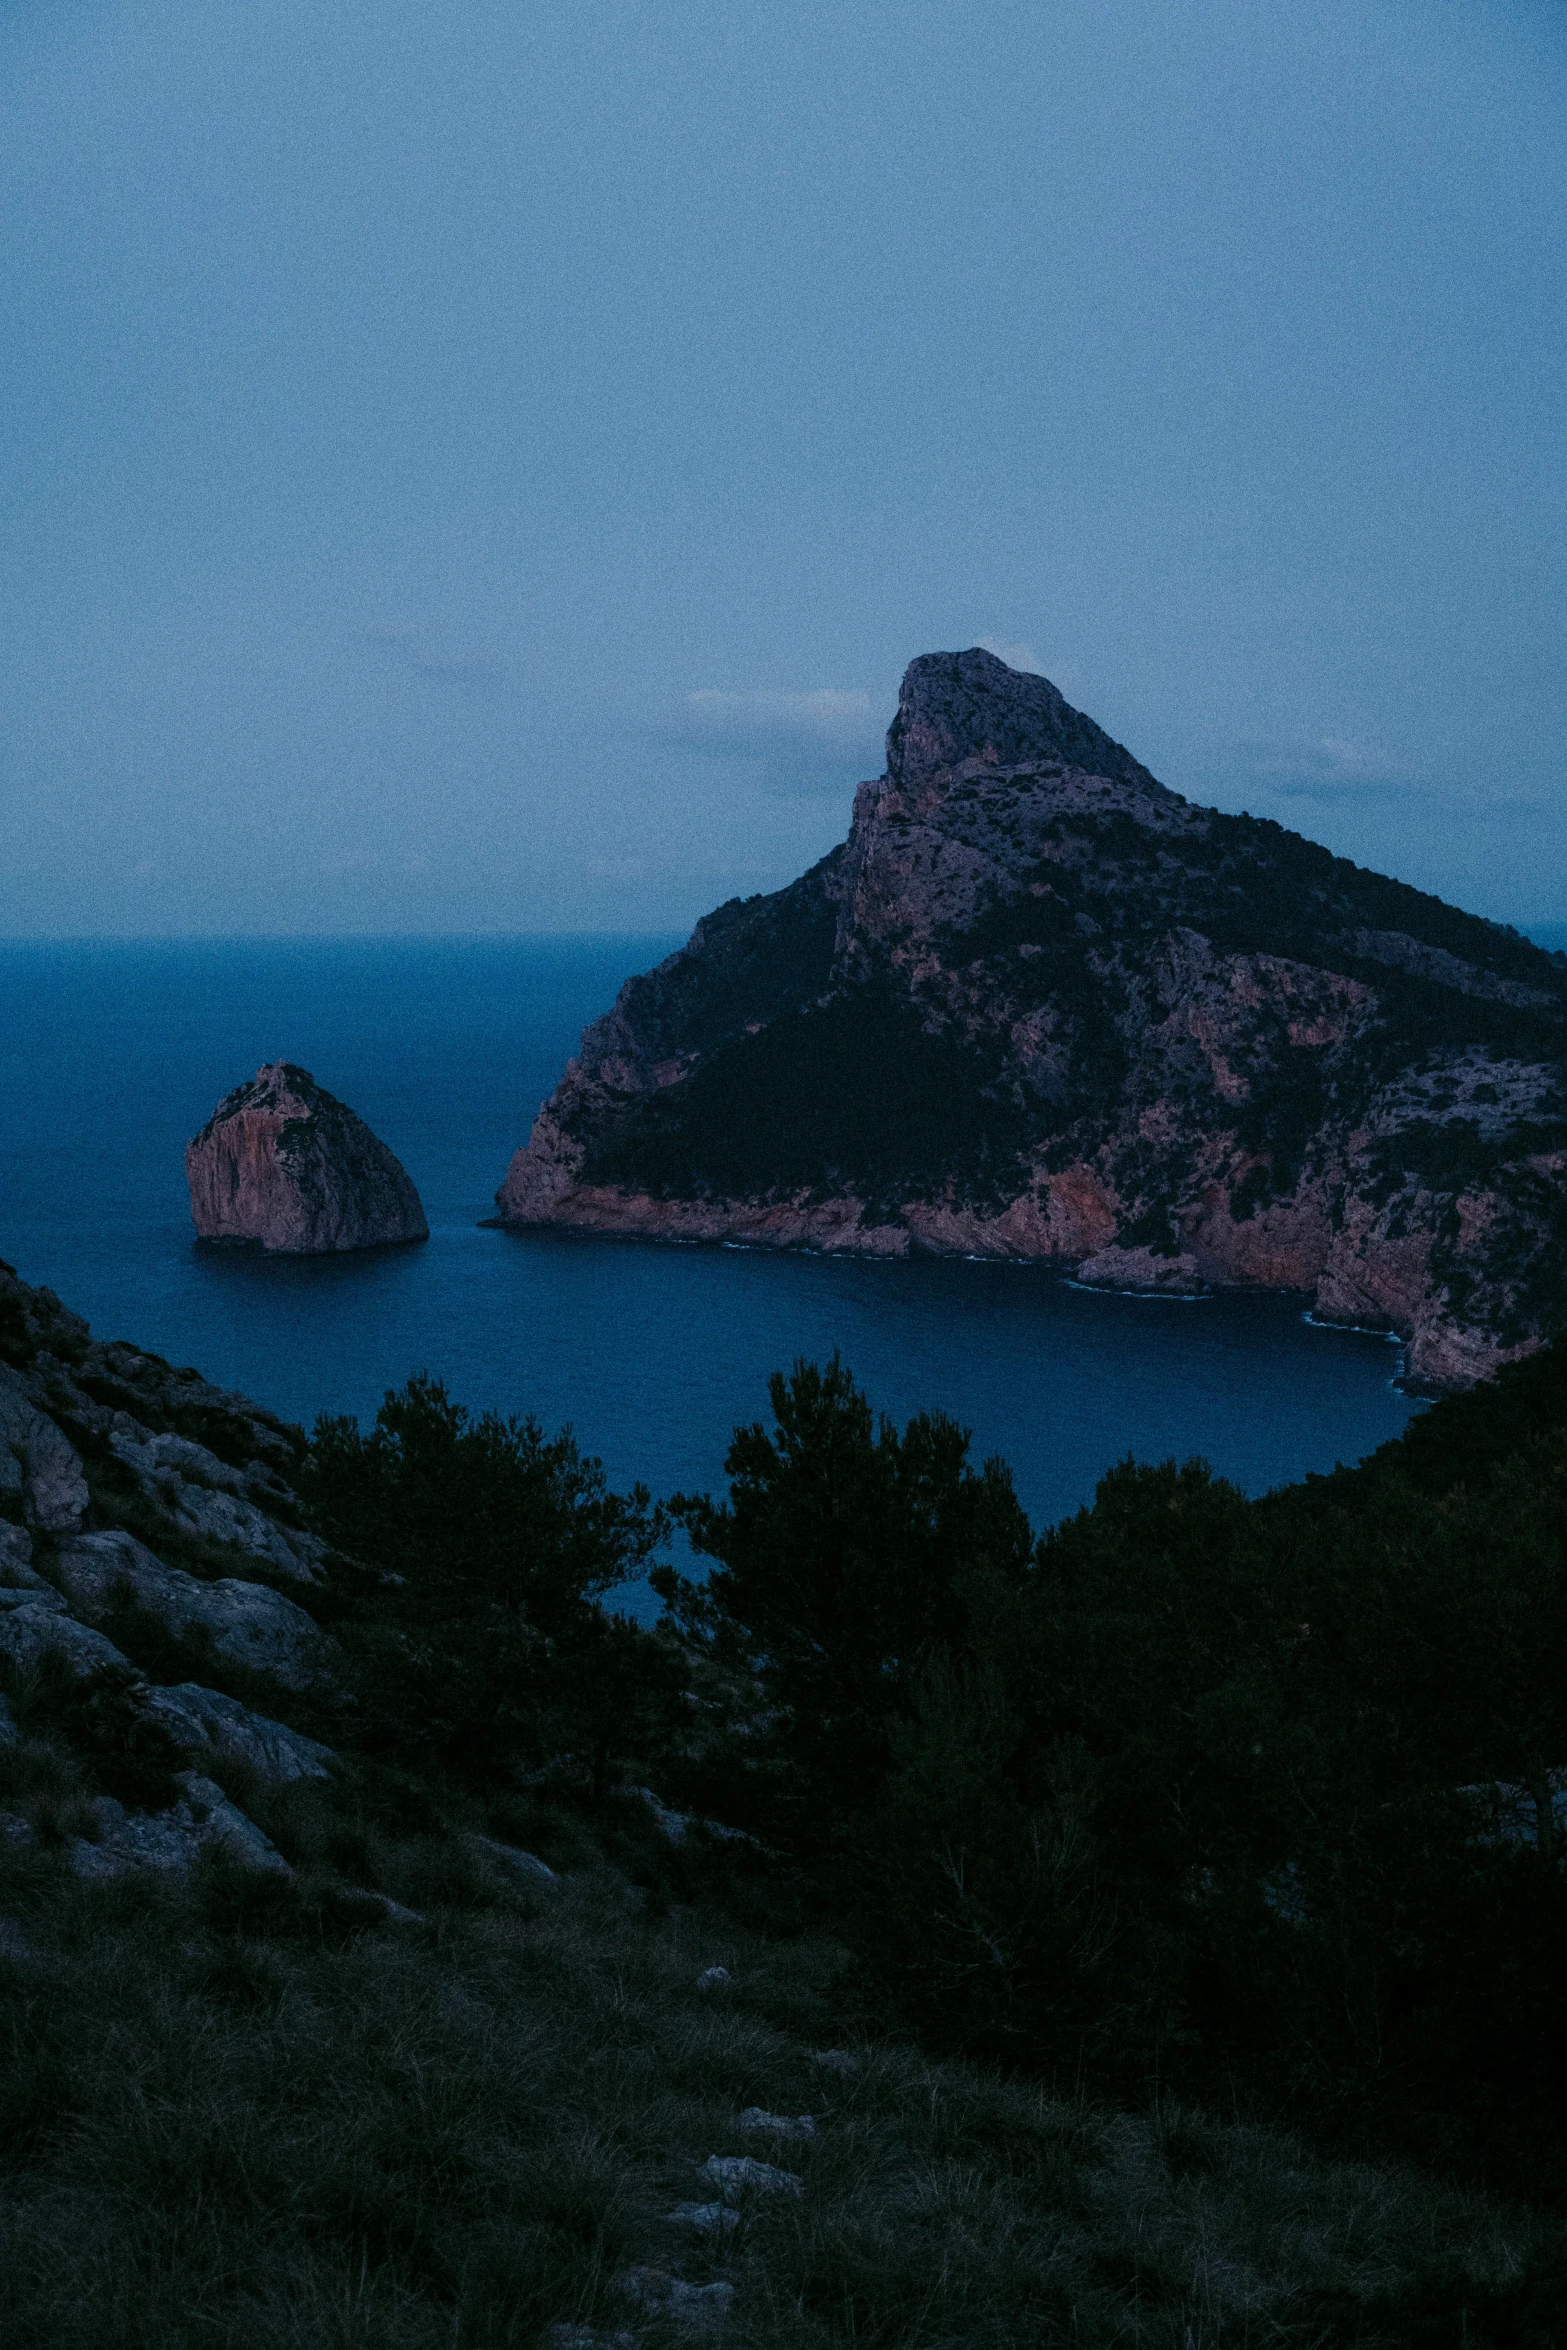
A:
{"points": [[1037, 1005], [283, 1164], [93, 1435]]}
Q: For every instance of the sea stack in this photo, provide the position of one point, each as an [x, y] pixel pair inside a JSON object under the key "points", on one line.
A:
{"points": [[282, 1164], [1038, 1005]]}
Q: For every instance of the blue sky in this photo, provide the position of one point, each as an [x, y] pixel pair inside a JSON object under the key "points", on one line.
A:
{"points": [[486, 466]]}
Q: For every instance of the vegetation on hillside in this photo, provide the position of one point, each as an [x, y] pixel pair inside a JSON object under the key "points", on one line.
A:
{"points": [[1184, 1890]]}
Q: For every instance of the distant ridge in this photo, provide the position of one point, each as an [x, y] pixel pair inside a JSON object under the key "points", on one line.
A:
{"points": [[1038, 1005]]}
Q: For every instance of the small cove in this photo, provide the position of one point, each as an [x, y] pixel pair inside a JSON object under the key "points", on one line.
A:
{"points": [[114, 1053]]}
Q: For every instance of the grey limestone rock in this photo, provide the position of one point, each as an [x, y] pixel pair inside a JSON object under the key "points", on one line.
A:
{"points": [[738, 2175], [208, 1498], [709, 2219], [758, 2120], [202, 1821], [247, 1623], [525, 1866], [36, 1630], [690, 2308], [835, 2060], [281, 1162], [39, 1465], [205, 1721]]}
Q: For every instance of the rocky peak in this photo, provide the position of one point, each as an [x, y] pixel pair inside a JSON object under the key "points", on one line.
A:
{"points": [[283, 1163], [957, 707]]}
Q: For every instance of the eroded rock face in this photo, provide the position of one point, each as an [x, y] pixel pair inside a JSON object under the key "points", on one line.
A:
{"points": [[283, 1164], [103, 1428], [39, 1466], [1037, 1005], [247, 1624]]}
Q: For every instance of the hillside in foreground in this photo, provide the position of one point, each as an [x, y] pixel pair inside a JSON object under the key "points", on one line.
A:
{"points": [[1037, 1005], [356, 1989]]}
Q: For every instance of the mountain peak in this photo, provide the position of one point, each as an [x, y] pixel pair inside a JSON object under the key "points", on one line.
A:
{"points": [[958, 706]]}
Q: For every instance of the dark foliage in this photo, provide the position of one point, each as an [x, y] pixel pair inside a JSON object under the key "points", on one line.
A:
{"points": [[848, 1557], [1261, 1794], [483, 1549]]}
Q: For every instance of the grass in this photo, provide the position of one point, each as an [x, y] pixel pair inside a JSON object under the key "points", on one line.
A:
{"points": [[257, 2115]]}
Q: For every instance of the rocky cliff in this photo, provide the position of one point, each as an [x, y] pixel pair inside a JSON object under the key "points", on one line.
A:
{"points": [[281, 1162], [1037, 1005]]}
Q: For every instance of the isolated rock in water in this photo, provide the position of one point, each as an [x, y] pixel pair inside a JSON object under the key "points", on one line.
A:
{"points": [[247, 1623], [282, 1162], [1038, 1006], [204, 1720], [39, 1465]]}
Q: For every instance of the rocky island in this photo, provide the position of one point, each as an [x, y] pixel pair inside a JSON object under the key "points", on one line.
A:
{"points": [[282, 1164], [1037, 1005]]}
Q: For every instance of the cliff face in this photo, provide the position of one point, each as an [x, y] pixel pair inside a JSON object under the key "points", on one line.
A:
{"points": [[282, 1162], [1037, 1005]]}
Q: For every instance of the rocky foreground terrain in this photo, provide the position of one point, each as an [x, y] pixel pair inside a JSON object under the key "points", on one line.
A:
{"points": [[285, 1166], [139, 1505], [1039, 1006]]}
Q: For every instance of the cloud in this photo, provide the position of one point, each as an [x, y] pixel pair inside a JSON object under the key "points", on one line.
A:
{"points": [[797, 738], [1015, 656], [402, 646], [1318, 767]]}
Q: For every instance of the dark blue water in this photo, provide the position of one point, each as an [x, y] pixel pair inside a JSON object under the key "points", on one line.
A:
{"points": [[112, 1055]]}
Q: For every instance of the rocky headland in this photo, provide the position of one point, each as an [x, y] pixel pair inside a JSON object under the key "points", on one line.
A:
{"points": [[283, 1165], [1039, 1006]]}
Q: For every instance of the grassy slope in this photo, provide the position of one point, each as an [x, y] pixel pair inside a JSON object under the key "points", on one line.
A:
{"points": [[243, 2115]]}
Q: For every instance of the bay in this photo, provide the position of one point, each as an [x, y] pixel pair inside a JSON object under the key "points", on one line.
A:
{"points": [[113, 1053]]}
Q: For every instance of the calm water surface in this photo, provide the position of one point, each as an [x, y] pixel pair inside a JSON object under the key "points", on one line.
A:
{"points": [[112, 1055]]}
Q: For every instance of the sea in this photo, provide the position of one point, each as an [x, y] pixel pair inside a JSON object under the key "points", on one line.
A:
{"points": [[112, 1054]]}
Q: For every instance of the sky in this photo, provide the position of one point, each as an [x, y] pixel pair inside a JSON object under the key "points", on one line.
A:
{"points": [[485, 467]]}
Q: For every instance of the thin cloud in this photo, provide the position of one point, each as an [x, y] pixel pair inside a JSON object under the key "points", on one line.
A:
{"points": [[1320, 767], [402, 646], [830, 719], [819, 738], [1015, 656]]}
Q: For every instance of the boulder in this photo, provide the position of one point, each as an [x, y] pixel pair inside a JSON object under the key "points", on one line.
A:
{"points": [[688, 2307], [525, 1866], [37, 1629], [709, 2219], [283, 1164], [204, 1721], [756, 2118], [737, 2175], [207, 1498], [203, 1821], [247, 1623], [39, 1465], [18, 1575]]}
